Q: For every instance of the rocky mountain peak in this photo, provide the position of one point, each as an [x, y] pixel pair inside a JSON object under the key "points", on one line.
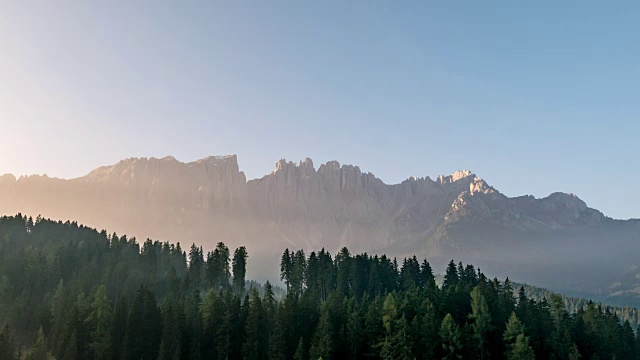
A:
{"points": [[297, 203], [455, 177], [8, 178]]}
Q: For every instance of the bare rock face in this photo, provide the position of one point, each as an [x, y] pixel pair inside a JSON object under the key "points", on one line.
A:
{"points": [[209, 183], [296, 205], [300, 206], [335, 205]]}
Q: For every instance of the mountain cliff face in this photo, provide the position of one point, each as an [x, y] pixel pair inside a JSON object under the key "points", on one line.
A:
{"points": [[299, 206]]}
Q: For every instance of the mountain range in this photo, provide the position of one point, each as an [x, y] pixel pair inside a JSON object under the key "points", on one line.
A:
{"points": [[456, 216]]}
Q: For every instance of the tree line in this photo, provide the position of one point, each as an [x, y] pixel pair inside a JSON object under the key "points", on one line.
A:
{"points": [[574, 304], [71, 292]]}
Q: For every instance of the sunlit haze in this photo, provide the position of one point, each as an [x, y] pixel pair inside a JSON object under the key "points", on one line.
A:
{"points": [[534, 98]]}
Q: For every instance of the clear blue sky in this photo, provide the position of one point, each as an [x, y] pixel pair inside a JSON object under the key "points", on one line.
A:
{"points": [[534, 97]]}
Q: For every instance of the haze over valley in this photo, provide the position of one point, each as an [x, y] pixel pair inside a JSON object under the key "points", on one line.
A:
{"points": [[301, 205], [319, 180]]}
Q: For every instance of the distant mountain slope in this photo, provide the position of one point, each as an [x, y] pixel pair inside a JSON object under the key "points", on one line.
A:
{"points": [[574, 304], [457, 216]]}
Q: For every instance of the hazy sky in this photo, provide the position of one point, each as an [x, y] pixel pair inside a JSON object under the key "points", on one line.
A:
{"points": [[534, 97]]}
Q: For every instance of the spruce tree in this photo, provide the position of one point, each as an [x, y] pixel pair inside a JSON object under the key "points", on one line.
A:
{"points": [[101, 318], [354, 333], [322, 344], [39, 349], [397, 344], [300, 353], [574, 354], [254, 329], [450, 339], [277, 343], [196, 266], [219, 267], [172, 330], [286, 268], [516, 342], [119, 328], [239, 268], [481, 320], [7, 344]]}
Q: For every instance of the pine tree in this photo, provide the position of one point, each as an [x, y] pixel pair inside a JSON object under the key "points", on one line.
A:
{"points": [[516, 342], [239, 269], [299, 268], [277, 340], [450, 338], [573, 353], [172, 330], [193, 324], [286, 268], [427, 279], [118, 328], [71, 350], [300, 353], [270, 304], [218, 267], [390, 313], [373, 328], [322, 344], [254, 329], [7, 344], [39, 349], [196, 266], [481, 320], [343, 270], [451, 278], [397, 344], [354, 333], [521, 349], [59, 313], [101, 318], [327, 274], [212, 318], [144, 327], [312, 275]]}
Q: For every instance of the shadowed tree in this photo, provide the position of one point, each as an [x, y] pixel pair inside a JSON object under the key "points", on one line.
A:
{"points": [[450, 339], [322, 344], [7, 344], [481, 320], [239, 269], [39, 349], [516, 342], [300, 352], [101, 318]]}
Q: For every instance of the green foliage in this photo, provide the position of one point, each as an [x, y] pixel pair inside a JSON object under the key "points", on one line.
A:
{"points": [[450, 338], [7, 344], [300, 353], [321, 347], [516, 342], [481, 320], [100, 320], [239, 269], [105, 297], [39, 349]]}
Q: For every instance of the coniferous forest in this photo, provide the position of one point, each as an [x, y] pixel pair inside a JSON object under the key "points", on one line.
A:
{"points": [[71, 292]]}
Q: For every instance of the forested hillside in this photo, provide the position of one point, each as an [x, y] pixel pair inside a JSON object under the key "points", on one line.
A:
{"points": [[303, 205], [70, 292], [574, 304]]}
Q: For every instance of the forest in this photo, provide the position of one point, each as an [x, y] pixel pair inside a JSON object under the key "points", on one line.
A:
{"points": [[70, 292]]}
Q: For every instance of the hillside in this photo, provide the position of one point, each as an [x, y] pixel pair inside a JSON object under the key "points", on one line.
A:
{"points": [[75, 293], [557, 241]]}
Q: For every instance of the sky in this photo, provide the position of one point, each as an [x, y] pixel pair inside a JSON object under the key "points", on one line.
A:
{"points": [[534, 97]]}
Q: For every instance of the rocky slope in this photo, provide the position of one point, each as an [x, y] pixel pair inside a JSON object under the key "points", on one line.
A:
{"points": [[335, 205]]}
